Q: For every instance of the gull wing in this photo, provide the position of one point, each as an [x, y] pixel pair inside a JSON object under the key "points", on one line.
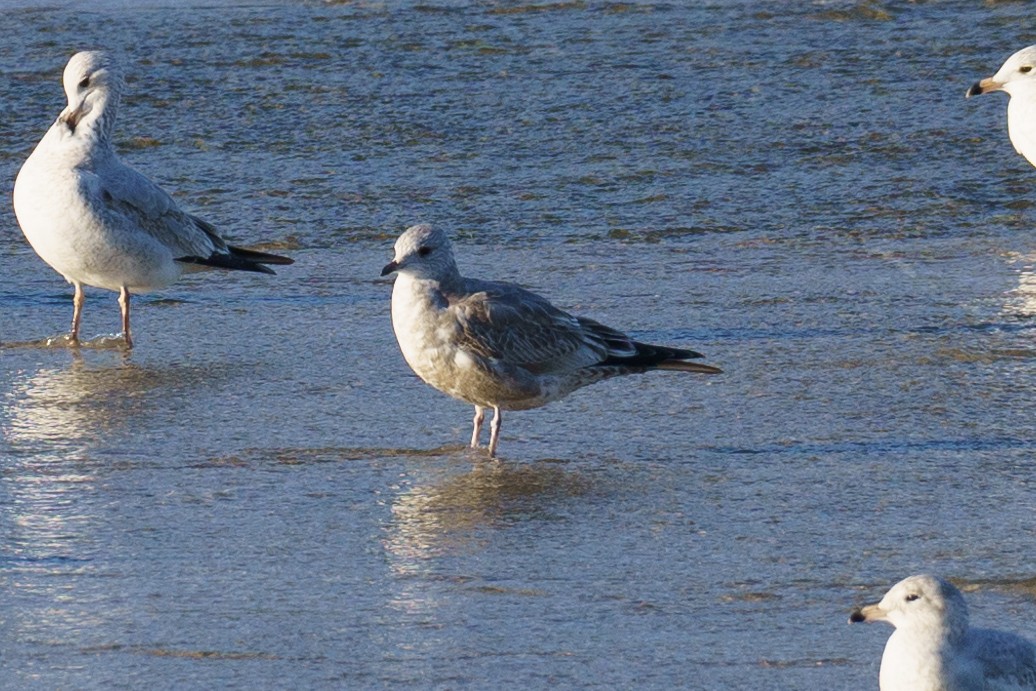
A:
{"points": [[1008, 661], [134, 204], [505, 322]]}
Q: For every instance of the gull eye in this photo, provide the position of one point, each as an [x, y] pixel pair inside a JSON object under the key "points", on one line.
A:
{"points": [[1025, 69], [424, 251], [912, 596], [84, 82]]}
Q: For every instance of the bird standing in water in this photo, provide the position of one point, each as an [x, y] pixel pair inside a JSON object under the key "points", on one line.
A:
{"points": [[99, 222], [496, 345]]}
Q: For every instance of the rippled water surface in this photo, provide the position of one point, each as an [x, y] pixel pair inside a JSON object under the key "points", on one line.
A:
{"points": [[261, 494]]}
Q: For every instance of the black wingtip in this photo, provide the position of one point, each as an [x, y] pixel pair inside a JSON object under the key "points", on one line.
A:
{"points": [[649, 356], [260, 257], [238, 259]]}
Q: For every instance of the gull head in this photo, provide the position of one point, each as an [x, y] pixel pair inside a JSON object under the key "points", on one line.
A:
{"points": [[919, 603], [93, 84], [1017, 76], [423, 252]]}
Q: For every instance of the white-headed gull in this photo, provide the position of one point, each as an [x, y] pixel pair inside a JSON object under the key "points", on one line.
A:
{"points": [[1018, 78], [96, 220], [935, 649]]}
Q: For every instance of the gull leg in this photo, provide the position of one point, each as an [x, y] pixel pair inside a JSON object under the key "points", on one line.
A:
{"points": [[494, 430], [124, 304], [480, 415], [77, 311]]}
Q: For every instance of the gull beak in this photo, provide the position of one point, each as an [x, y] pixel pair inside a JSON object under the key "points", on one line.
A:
{"points": [[983, 87], [390, 267], [867, 613], [71, 116]]}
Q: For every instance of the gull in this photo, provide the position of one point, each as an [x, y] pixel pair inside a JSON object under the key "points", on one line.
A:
{"points": [[96, 220], [496, 345], [933, 648], [1018, 78]]}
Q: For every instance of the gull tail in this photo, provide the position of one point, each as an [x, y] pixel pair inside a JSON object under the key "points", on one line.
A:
{"points": [[681, 365], [625, 353], [239, 259], [234, 258], [647, 357], [258, 258]]}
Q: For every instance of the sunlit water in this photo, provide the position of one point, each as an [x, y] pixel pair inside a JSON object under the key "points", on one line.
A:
{"points": [[261, 494]]}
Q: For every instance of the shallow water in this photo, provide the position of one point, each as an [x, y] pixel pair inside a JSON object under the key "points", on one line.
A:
{"points": [[262, 494]]}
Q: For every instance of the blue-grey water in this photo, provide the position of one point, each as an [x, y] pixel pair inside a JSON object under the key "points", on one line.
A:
{"points": [[262, 495]]}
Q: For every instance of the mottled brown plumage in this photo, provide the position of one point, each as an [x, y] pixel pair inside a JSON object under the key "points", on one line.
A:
{"points": [[496, 345]]}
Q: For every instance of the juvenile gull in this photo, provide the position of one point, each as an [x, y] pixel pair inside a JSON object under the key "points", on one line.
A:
{"points": [[99, 222], [496, 345], [933, 648], [1018, 78]]}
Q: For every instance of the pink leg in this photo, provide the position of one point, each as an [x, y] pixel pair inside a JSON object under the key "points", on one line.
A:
{"points": [[480, 415], [494, 431], [77, 311], [124, 304]]}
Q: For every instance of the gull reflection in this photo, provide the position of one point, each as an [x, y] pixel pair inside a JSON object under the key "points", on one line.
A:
{"points": [[58, 427], [452, 514], [1021, 301], [61, 412], [51, 418], [64, 412]]}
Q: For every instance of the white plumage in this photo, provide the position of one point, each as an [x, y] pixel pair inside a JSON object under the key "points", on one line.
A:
{"points": [[1017, 77], [934, 648], [96, 220]]}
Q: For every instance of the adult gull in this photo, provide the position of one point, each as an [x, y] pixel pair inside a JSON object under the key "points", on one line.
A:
{"points": [[1017, 77], [496, 345], [934, 648], [96, 220]]}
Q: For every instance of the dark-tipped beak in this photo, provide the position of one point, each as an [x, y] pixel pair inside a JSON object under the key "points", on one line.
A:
{"points": [[867, 613], [389, 268], [983, 87], [71, 117]]}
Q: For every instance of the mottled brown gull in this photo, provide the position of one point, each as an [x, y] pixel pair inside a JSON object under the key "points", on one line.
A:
{"points": [[97, 221], [935, 649], [1017, 77], [496, 345]]}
